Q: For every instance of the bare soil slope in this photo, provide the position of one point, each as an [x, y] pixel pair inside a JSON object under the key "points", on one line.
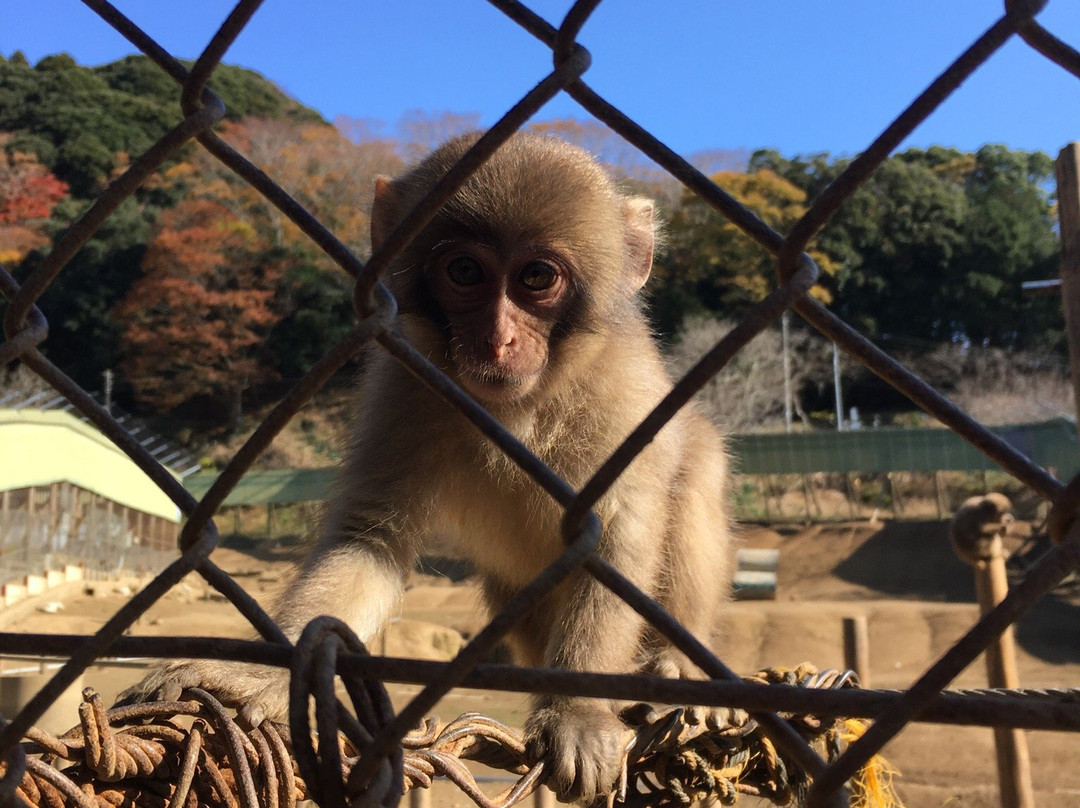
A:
{"points": [[903, 576]]}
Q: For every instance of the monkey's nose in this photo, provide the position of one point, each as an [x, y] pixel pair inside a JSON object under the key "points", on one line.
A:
{"points": [[500, 345]]}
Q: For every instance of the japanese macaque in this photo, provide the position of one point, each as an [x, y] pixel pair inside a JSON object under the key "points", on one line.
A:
{"points": [[524, 289]]}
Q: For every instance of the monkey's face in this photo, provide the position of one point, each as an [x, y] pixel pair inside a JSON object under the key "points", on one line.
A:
{"points": [[500, 312]]}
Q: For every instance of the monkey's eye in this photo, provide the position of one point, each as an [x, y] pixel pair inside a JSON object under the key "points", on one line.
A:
{"points": [[464, 270], [538, 276]]}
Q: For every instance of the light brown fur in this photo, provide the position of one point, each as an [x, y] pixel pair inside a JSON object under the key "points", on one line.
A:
{"points": [[416, 468]]}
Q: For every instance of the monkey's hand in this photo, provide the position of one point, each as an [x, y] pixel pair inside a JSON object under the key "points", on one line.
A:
{"points": [[582, 743], [257, 692]]}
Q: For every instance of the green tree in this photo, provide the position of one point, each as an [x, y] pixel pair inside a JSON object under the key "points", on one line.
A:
{"points": [[902, 231], [712, 267], [934, 246], [1008, 239]]}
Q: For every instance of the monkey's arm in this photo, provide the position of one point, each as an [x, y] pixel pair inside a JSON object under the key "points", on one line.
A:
{"points": [[582, 739], [348, 579]]}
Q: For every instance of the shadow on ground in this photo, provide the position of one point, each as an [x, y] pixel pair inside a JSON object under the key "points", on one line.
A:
{"points": [[914, 560], [910, 560]]}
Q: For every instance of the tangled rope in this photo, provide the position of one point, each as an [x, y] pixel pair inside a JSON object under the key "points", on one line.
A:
{"points": [[192, 753]]}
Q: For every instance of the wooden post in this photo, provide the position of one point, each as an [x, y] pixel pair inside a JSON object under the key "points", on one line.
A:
{"points": [[110, 521], [31, 512], [976, 532], [857, 648], [420, 798], [894, 495], [850, 491], [1014, 765], [543, 797], [806, 499], [939, 496], [1068, 188], [779, 497], [54, 512]]}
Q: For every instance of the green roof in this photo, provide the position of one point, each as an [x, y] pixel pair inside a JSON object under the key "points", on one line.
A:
{"points": [[273, 486]]}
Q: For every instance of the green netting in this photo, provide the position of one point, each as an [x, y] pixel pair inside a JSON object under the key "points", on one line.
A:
{"points": [[1052, 445]]}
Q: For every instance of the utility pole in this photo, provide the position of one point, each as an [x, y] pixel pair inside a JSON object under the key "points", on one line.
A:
{"points": [[787, 368], [108, 390], [836, 387]]}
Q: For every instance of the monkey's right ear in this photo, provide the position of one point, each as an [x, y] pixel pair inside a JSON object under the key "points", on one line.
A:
{"points": [[639, 222], [384, 211]]}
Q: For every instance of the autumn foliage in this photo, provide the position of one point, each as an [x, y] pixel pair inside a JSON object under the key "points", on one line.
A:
{"points": [[28, 194], [198, 288], [221, 270], [193, 323]]}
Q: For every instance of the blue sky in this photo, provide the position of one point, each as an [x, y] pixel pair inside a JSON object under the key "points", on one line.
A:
{"points": [[795, 75]]}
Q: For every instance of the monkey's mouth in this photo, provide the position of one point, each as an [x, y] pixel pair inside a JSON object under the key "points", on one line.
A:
{"points": [[493, 384]]}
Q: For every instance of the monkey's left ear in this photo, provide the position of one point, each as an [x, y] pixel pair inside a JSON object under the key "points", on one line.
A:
{"points": [[639, 225], [384, 211]]}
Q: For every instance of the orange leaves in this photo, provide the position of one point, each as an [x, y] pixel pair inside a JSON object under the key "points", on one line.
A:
{"points": [[28, 190], [193, 323], [28, 194], [222, 268], [719, 264]]}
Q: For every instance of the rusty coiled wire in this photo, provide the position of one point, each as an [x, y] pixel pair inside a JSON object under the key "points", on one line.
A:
{"points": [[192, 753]]}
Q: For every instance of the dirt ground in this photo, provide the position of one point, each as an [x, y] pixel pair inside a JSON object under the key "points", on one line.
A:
{"points": [[918, 599]]}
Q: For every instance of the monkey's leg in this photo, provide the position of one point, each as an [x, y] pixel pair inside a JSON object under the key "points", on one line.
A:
{"points": [[700, 557]]}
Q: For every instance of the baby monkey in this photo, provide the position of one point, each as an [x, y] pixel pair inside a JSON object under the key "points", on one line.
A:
{"points": [[525, 290]]}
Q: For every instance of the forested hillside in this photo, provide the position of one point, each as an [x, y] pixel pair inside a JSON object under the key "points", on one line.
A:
{"points": [[196, 291]]}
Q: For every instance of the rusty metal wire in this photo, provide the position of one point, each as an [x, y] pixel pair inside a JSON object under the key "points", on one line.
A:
{"points": [[372, 781], [191, 752]]}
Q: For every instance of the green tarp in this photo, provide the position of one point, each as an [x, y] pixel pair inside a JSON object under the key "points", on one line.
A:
{"points": [[1052, 445]]}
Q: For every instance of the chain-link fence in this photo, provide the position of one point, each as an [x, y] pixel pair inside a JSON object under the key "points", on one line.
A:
{"points": [[26, 327]]}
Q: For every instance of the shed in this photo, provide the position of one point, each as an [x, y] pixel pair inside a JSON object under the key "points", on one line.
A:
{"points": [[68, 495]]}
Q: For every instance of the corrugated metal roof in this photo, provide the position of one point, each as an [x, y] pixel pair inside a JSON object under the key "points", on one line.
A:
{"points": [[273, 486], [41, 447]]}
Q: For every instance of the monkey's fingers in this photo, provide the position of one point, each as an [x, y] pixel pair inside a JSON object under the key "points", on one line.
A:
{"points": [[158, 685]]}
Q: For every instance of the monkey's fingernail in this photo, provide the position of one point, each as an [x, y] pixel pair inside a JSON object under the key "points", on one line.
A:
{"points": [[252, 714]]}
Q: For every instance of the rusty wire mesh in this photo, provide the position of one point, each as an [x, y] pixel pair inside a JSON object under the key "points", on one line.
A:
{"points": [[377, 776]]}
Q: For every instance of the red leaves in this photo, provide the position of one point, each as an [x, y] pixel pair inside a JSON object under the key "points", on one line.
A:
{"points": [[28, 194], [194, 322]]}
